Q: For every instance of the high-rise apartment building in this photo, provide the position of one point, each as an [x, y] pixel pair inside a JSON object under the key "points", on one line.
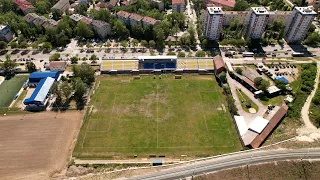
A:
{"points": [[256, 22], [213, 23], [298, 24]]}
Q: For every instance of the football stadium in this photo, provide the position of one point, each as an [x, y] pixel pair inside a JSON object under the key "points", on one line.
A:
{"points": [[151, 64]]}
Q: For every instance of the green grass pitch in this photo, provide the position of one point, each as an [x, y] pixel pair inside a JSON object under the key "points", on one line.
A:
{"points": [[157, 116], [9, 88]]}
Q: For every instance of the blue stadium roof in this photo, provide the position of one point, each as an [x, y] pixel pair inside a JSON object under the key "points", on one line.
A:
{"points": [[40, 75], [41, 91]]}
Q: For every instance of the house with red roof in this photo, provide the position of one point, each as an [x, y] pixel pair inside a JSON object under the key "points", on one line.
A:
{"points": [[24, 5]]}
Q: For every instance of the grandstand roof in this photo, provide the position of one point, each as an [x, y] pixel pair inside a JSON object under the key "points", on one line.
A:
{"points": [[40, 75], [41, 91], [156, 57]]}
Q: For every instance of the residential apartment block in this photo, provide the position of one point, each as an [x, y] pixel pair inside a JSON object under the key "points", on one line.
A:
{"points": [[24, 5], [62, 6], [159, 3], [178, 6], [5, 33], [133, 18], [256, 22], [102, 28], [33, 19], [213, 23], [298, 24], [230, 16]]}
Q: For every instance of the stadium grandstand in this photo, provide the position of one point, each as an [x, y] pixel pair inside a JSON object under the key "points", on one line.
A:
{"points": [[149, 64]]}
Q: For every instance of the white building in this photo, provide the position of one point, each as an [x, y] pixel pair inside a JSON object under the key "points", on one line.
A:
{"points": [[178, 6], [256, 22], [5, 33], [298, 24], [103, 29], [213, 23]]}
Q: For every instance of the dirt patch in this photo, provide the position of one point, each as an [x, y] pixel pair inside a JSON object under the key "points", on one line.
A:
{"points": [[36, 146]]}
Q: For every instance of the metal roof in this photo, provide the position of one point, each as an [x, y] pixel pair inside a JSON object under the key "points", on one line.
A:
{"points": [[241, 124], [41, 91], [258, 124], [40, 75]]}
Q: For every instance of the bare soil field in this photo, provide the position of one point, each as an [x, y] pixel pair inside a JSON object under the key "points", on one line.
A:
{"points": [[37, 145]]}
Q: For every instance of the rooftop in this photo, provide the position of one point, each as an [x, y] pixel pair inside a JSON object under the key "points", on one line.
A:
{"points": [[135, 16], [258, 124], [241, 124], [41, 75], [2, 26], [86, 20], [112, 3], [55, 64], [305, 10], [123, 14], [273, 89], [274, 121], [76, 17], [59, 5], [149, 20], [99, 23], [40, 20], [218, 62], [178, 2], [215, 10], [23, 4], [30, 17], [41, 91], [259, 10], [228, 3], [50, 23]]}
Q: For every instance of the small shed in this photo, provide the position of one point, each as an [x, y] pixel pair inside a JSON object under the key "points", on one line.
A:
{"points": [[219, 65], [156, 162]]}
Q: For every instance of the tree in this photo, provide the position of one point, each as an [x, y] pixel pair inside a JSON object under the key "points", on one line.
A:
{"points": [[124, 44], [82, 8], [261, 83], [35, 45], [239, 70], [94, 57], [3, 45], [80, 89], [74, 60], [280, 84], [84, 72], [200, 53], [120, 30], [181, 54], [13, 45], [46, 46], [7, 56], [31, 67], [134, 43], [83, 31], [54, 57], [55, 14], [144, 43], [152, 44], [312, 39], [241, 5], [23, 45], [171, 53], [8, 65], [108, 44]]}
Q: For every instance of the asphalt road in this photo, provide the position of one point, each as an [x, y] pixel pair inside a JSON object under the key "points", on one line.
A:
{"points": [[230, 161]]}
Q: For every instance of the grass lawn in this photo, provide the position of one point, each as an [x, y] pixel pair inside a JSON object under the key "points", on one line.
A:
{"points": [[9, 88], [276, 101], [157, 116], [244, 98]]}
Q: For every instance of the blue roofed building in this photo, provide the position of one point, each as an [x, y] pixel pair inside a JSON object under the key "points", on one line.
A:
{"points": [[36, 77], [39, 95], [281, 78]]}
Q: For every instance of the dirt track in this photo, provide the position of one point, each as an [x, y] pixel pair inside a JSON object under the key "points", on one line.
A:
{"points": [[37, 146]]}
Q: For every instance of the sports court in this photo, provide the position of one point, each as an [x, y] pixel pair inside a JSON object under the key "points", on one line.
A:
{"points": [[9, 88], [194, 64], [157, 116]]}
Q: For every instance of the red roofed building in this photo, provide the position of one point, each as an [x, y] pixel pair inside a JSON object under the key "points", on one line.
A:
{"points": [[178, 6], [87, 21], [219, 65], [123, 16], [135, 18], [224, 3], [24, 5], [149, 21]]}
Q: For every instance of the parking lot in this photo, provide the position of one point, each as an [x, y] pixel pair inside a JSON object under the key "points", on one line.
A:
{"points": [[289, 71]]}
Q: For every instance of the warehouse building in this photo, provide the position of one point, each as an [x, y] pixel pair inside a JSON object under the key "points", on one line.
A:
{"points": [[38, 99], [36, 77]]}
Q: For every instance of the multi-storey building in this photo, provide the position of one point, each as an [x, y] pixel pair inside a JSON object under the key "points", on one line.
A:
{"points": [[61, 6], [149, 21], [230, 16], [279, 15], [213, 23], [5, 33], [178, 6], [24, 5], [256, 22], [298, 24], [103, 29], [123, 16], [135, 19]]}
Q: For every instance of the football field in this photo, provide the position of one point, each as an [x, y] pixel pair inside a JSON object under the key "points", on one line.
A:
{"points": [[9, 88], [162, 116]]}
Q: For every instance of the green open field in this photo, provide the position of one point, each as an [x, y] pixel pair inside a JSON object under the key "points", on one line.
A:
{"points": [[9, 88], [157, 116]]}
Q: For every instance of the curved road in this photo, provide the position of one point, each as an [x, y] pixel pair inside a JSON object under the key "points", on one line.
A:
{"points": [[230, 161]]}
